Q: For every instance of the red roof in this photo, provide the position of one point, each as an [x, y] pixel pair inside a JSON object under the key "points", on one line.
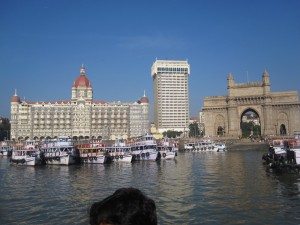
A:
{"points": [[144, 99], [15, 98], [82, 80]]}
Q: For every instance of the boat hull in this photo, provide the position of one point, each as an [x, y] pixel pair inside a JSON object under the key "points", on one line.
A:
{"points": [[122, 158], [144, 155], [5, 153], [167, 155], [28, 161], [60, 160], [95, 159]]}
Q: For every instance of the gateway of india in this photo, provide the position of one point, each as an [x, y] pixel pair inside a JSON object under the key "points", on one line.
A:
{"points": [[277, 111], [80, 117]]}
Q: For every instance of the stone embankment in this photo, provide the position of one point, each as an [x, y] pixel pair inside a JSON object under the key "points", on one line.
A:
{"points": [[241, 145]]}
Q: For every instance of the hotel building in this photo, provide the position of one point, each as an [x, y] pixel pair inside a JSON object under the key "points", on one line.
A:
{"points": [[80, 117], [171, 98]]}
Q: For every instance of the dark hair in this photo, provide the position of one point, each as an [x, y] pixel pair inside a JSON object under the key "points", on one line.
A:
{"points": [[127, 206]]}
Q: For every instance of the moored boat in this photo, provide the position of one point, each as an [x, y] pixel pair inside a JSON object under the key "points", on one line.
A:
{"points": [[283, 156], [120, 152], [189, 146], [144, 148], [220, 147], [166, 149], [204, 145], [5, 149], [59, 151], [26, 155], [93, 154]]}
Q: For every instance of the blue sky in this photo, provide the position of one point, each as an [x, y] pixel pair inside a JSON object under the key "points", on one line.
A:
{"points": [[43, 44]]}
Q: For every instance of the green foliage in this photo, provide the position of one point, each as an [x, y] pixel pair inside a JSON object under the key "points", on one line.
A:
{"points": [[194, 130], [4, 130], [172, 134], [249, 128]]}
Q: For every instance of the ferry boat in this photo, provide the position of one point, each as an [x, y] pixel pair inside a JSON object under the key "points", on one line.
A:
{"points": [[120, 152], [59, 151], [166, 149], [283, 155], [93, 153], [220, 147], [144, 148], [5, 149], [204, 145], [26, 155], [189, 146]]}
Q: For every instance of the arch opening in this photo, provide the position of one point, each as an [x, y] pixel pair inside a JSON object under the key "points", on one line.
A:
{"points": [[220, 131], [220, 125], [250, 124], [283, 129]]}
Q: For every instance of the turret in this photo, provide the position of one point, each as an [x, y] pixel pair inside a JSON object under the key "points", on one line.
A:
{"points": [[230, 83], [266, 82]]}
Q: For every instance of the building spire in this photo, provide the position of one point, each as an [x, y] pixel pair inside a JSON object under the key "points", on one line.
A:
{"points": [[15, 92], [265, 73], [144, 93], [82, 70]]}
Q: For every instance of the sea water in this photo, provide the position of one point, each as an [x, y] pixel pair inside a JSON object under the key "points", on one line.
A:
{"points": [[195, 188]]}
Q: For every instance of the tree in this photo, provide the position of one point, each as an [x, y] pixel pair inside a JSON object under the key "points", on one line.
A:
{"points": [[194, 130], [172, 134], [249, 128], [4, 129]]}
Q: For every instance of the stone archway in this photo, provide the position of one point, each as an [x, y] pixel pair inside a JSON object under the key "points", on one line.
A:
{"points": [[278, 112], [220, 125], [250, 123], [282, 123]]}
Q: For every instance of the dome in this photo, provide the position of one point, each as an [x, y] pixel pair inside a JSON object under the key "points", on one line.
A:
{"points": [[15, 99], [144, 99], [82, 80]]}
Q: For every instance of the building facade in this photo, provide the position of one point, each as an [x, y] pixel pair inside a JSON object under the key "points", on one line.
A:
{"points": [[278, 113], [171, 97], [80, 117]]}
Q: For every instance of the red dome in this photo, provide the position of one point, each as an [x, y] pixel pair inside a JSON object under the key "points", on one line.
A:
{"points": [[15, 99], [144, 99], [82, 80]]}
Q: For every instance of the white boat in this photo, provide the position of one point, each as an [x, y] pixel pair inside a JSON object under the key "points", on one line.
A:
{"points": [[205, 145], [220, 147], [143, 148], [92, 153], [120, 152], [59, 151], [5, 149], [189, 146], [297, 155], [166, 149], [284, 154], [26, 155]]}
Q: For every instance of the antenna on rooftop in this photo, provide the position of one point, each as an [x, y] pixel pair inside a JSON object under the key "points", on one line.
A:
{"points": [[247, 77]]}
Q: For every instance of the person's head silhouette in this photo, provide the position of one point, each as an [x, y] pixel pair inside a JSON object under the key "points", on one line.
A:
{"points": [[127, 206]]}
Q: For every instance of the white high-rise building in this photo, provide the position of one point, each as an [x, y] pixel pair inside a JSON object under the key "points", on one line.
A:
{"points": [[171, 98]]}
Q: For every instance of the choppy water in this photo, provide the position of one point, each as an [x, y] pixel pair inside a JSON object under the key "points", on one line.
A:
{"points": [[196, 188]]}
